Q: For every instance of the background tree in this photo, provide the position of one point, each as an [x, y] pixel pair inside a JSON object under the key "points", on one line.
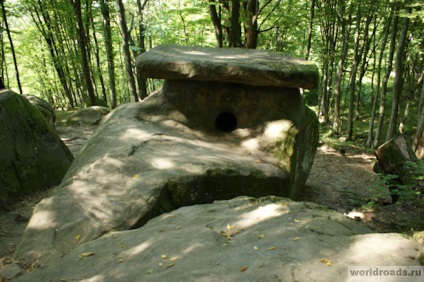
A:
{"points": [[12, 48]]}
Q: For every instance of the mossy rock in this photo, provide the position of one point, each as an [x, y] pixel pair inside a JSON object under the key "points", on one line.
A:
{"points": [[88, 116], [32, 155]]}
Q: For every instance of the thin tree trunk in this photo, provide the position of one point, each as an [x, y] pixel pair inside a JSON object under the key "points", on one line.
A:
{"points": [[126, 49], [310, 26], [339, 76], [98, 63], [109, 52], [354, 70], [12, 48], [141, 81], [398, 81], [216, 21], [377, 94], [81, 35], [389, 66], [419, 135]]}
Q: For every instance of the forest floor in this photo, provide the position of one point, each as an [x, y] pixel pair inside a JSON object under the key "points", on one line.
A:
{"points": [[344, 182]]}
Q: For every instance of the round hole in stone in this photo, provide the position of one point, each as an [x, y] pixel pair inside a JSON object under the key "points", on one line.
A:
{"points": [[226, 122]]}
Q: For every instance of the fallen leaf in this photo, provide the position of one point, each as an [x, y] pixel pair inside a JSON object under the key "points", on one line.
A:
{"points": [[178, 227], [261, 236], [255, 248], [295, 220], [296, 238], [123, 246], [120, 260], [272, 248], [229, 227], [243, 268], [87, 254], [326, 261], [174, 258], [164, 256], [135, 176], [77, 238], [160, 264], [170, 265], [150, 271]]}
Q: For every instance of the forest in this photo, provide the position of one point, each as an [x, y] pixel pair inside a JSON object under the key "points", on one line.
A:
{"points": [[370, 53]]}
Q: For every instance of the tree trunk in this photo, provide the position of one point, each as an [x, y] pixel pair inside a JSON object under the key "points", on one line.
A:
{"points": [[377, 94], [141, 81], [216, 21], [419, 135], [126, 49], [235, 32], [398, 81], [43, 22], [339, 76], [109, 52], [98, 63], [389, 66], [81, 35], [12, 48], [251, 28], [310, 31], [354, 70]]}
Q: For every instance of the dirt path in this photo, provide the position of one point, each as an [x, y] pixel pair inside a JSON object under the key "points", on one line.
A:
{"points": [[339, 182]]}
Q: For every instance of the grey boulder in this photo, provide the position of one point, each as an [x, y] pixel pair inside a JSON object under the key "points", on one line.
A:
{"points": [[244, 239]]}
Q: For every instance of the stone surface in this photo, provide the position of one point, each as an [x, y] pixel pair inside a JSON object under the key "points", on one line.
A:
{"points": [[241, 66], [152, 157], [244, 239], [32, 156], [43, 106], [88, 116]]}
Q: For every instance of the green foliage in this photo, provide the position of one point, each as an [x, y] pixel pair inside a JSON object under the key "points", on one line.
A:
{"points": [[283, 25]]}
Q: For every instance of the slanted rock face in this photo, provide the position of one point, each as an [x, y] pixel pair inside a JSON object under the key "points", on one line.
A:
{"points": [[32, 156], [243, 239], [192, 142]]}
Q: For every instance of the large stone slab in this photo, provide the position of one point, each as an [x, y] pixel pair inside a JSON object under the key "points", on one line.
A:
{"points": [[152, 157], [244, 239], [32, 155], [233, 65]]}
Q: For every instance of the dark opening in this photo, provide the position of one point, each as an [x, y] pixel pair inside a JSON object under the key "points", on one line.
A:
{"points": [[226, 122]]}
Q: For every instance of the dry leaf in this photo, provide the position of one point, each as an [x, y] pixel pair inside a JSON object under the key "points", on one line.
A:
{"points": [[120, 260], [272, 248], [150, 271], [243, 268], [174, 258], [255, 248], [261, 236], [295, 220], [229, 227], [77, 238], [296, 238], [87, 254], [170, 265], [326, 261], [164, 256], [160, 264]]}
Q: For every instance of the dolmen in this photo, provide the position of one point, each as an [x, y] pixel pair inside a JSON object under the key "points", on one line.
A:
{"points": [[226, 123], [192, 184]]}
